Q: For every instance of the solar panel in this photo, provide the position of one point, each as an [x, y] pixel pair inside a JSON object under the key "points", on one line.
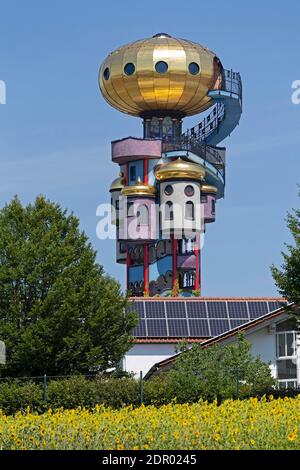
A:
{"points": [[137, 307], [178, 328], [257, 309], [196, 309], [140, 329], [155, 309], [237, 310], [197, 324], [175, 309], [216, 309], [275, 305], [157, 328], [236, 323], [218, 326], [199, 328]]}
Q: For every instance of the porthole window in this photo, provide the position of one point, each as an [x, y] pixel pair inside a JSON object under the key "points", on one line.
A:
{"points": [[189, 191], [129, 68], [194, 68], [161, 67], [106, 73], [168, 190]]}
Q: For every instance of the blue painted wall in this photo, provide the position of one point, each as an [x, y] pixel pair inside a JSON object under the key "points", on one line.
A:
{"points": [[139, 170], [160, 268], [136, 273]]}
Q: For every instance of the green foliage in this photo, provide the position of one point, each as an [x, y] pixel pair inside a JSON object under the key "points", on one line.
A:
{"points": [[288, 278], [80, 391], [196, 292], [59, 312], [114, 392], [16, 395], [219, 372]]}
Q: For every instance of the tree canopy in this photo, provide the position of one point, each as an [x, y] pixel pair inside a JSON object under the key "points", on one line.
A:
{"points": [[219, 371], [59, 312], [287, 278]]}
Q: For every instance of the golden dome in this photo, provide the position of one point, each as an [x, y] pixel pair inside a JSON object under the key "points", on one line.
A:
{"points": [[139, 189], [161, 74], [118, 184], [206, 188], [180, 169]]}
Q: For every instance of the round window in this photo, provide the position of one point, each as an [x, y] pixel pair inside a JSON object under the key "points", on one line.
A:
{"points": [[129, 68], [161, 66], [189, 191], [106, 73], [168, 190], [194, 68]]}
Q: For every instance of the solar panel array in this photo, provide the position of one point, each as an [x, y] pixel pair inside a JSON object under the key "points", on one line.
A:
{"points": [[194, 318]]}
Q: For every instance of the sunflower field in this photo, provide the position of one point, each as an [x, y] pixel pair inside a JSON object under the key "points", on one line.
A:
{"points": [[235, 424]]}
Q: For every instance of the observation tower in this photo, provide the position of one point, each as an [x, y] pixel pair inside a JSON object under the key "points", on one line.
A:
{"points": [[169, 179]]}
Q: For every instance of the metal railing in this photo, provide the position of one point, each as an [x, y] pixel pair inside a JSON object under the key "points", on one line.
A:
{"points": [[192, 144], [193, 139], [231, 83]]}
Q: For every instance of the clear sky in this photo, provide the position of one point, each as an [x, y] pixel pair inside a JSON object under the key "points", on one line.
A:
{"points": [[55, 129]]}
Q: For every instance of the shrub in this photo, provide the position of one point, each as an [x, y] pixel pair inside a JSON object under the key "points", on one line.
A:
{"points": [[16, 395]]}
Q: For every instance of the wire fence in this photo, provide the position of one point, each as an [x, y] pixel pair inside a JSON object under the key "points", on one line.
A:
{"points": [[232, 375]]}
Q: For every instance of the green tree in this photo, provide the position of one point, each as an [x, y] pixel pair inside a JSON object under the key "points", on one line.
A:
{"points": [[287, 278], [219, 372], [59, 312]]}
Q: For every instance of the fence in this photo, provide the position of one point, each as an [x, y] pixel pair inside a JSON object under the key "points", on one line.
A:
{"points": [[70, 391]]}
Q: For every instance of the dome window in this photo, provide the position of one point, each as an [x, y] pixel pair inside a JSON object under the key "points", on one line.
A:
{"points": [[194, 68], [161, 67], [106, 73], [129, 68], [168, 190], [189, 191]]}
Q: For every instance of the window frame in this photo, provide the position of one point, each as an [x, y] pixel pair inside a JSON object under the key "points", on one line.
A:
{"points": [[191, 205], [132, 171], [169, 216], [286, 357]]}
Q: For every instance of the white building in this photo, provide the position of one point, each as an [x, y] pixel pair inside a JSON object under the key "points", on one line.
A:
{"points": [[165, 322], [273, 337]]}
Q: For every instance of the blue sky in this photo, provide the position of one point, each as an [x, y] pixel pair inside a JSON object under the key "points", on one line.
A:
{"points": [[55, 129]]}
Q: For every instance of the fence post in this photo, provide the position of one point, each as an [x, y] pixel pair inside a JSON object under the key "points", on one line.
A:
{"points": [[141, 388], [45, 387], [237, 382]]}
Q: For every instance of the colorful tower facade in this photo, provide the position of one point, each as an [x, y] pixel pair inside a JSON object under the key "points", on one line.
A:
{"points": [[169, 180]]}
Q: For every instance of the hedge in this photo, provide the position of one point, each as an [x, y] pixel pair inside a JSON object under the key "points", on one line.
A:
{"points": [[78, 391]]}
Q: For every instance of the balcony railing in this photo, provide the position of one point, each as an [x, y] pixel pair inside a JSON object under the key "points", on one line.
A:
{"points": [[231, 83]]}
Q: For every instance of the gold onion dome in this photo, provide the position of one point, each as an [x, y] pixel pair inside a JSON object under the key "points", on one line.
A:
{"points": [[162, 75], [180, 169], [206, 188], [118, 184], [139, 189]]}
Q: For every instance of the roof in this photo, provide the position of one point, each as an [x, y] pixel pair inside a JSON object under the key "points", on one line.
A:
{"points": [[166, 364], [167, 340], [172, 319]]}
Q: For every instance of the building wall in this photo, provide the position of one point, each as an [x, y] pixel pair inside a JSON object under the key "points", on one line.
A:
{"points": [[263, 343], [141, 357]]}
